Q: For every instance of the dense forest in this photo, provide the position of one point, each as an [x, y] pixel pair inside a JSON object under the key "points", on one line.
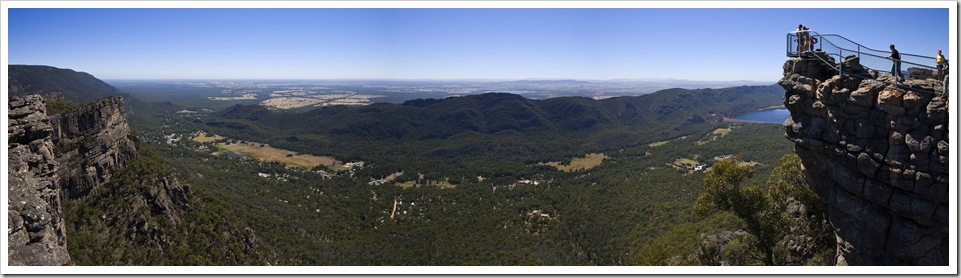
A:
{"points": [[499, 205], [635, 208], [475, 180]]}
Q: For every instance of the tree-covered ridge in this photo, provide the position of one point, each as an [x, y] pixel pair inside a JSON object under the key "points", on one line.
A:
{"points": [[147, 216], [500, 112], [784, 219], [77, 87], [429, 134]]}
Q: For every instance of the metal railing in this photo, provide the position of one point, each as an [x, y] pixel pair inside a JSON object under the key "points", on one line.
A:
{"points": [[869, 58]]}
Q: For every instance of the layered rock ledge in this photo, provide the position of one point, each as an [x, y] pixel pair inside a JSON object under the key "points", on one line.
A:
{"points": [[92, 140], [878, 153], [34, 219], [54, 158]]}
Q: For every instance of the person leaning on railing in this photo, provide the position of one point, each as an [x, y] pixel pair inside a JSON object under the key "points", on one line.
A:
{"points": [[940, 60]]}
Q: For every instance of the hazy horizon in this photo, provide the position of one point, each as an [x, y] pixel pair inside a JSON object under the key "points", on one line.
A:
{"points": [[718, 45]]}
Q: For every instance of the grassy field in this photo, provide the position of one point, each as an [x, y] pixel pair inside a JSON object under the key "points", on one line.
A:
{"points": [[581, 163], [657, 144], [717, 133], [290, 102], [207, 138], [269, 153]]}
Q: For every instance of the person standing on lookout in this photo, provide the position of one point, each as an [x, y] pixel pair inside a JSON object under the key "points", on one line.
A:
{"points": [[940, 60], [896, 67], [801, 39], [812, 43]]}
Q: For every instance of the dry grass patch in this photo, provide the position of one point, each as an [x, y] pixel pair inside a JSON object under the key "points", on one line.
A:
{"points": [[290, 102], [393, 176], [269, 153], [685, 162], [589, 161], [717, 133], [407, 184], [721, 131], [657, 144], [206, 138]]}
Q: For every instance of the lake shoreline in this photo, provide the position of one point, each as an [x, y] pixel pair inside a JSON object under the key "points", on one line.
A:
{"points": [[771, 114], [733, 120]]}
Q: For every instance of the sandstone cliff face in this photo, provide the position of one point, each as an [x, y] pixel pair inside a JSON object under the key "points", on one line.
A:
{"points": [[92, 141], [878, 154], [36, 228], [59, 157]]}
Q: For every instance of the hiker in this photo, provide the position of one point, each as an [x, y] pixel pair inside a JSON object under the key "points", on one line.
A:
{"points": [[805, 39], [813, 41], [940, 60], [800, 38], [896, 67]]}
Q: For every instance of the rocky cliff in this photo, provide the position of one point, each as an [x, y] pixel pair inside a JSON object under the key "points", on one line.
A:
{"points": [[92, 140], [78, 176], [878, 153], [34, 218]]}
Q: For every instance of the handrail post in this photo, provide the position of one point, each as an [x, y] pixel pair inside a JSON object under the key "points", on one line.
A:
{"points": [[788, 44], [841, 62]]}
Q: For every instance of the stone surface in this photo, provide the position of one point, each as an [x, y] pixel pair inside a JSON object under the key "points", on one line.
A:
{"points": [[93, 141], [36, 234], [876, 155], [62, 157]]}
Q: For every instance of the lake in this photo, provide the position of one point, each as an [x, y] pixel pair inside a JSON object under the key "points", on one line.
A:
{"points": [[767, 116]]}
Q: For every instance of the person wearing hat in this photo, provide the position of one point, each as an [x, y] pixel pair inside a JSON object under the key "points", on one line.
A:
{"points": [[940, 60]]}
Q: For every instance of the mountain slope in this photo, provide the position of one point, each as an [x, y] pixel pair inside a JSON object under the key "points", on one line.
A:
{"points": [[496, 112], [461, 132], [75, 86]]}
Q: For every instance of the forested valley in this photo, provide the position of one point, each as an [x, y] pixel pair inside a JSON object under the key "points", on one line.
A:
{"points": [[467, 180]]}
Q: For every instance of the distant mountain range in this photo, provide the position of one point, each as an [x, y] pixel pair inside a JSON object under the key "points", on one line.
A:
{"points": [[497, 112]]}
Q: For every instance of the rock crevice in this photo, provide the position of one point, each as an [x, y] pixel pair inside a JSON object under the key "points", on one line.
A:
{"points": [[878, 153]]}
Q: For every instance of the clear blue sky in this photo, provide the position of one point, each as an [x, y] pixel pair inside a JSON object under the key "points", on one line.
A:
{"points": [[694, 44]]}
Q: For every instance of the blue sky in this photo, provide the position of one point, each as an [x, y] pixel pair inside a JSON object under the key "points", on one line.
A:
{"points": [[693, 44]]}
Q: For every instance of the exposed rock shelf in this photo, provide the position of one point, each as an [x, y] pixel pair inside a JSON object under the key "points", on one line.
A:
{"points": [[879, 154]]}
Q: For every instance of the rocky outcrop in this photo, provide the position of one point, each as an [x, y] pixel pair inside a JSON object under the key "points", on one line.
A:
{"points": [[92, 140], [61, 157], [36, 234], [878, 153]]}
